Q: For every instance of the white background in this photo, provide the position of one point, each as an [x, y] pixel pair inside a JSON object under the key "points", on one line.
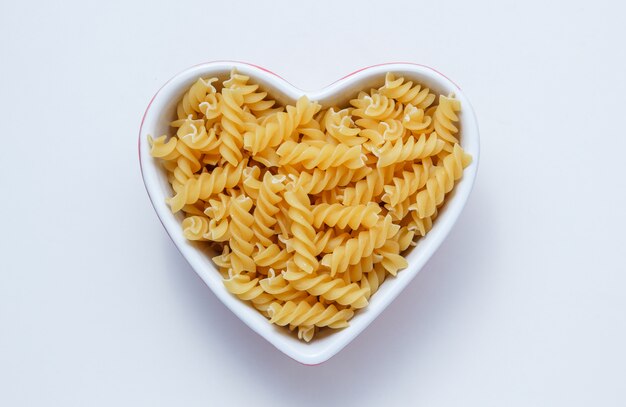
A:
{"points": [[524, 305]]}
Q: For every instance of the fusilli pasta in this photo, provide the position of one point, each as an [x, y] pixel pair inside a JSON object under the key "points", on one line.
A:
{"points": [[310, 208]]}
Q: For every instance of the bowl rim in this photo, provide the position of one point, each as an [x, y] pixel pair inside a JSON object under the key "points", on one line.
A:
{"points": [[329, 346]]}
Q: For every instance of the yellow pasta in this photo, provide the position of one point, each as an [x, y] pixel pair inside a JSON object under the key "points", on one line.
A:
{"points": [[410, 150], [406, 92], [196, 227], [341, 216], [241, 235], [311, 208], [445, 117], [207, 184], [248, 289], [190, 103], [268, 197], [360, 246], [279, 127], [323, 157], [302, 313], [302, 230]]}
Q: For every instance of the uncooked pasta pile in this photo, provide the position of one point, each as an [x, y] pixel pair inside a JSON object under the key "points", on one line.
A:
{"points": [[311, 208]]}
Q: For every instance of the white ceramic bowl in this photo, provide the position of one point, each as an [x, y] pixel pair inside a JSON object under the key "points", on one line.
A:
{"points": [[161, 111]]}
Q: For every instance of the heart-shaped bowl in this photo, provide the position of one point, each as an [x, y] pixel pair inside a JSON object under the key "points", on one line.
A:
{"points": [[161, 111]]}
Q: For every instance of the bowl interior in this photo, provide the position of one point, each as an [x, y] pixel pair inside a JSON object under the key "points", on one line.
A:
{"points": [[161, 112]]}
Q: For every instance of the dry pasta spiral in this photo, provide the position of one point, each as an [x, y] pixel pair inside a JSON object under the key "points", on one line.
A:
{"points": [[266, 207], [366, 190], [407, 185], [194, 134], [279, 126], [280, 288], [445, 117], [248, 289], [303, 313], [253, 99], [326, 287], [207, 184], [341, 216], [341, 127], [321, 180], [410, 150], [271, 256], [323, 157], [232, 122], [376, 106], [190, 104], [361, 246], [406, 92], [196, 227], [441, 182], [302, 229]]}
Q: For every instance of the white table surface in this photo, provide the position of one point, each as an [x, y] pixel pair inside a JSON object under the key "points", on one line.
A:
{"points": [[524, 305]]}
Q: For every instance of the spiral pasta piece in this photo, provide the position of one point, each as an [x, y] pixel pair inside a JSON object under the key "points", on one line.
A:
{"points": [[391, 259], [407, 185], [301, 229], [306, 332], [324, 157], [367, 189], [444, 118], [405, 238], [266, 207], [373, 280], [280, 126], [341, 127], [375, 106], [194, 134], [420, 226], [219, 208], [184, 171], [322, 180], [341, 216], [163, 148], [302, 313], [232, 122], [410, 150], [207, 184], [400, 210], [210, 108], [277, 286], [271, 256], [218, 213], [253, 99], [248, 289], [219, 230], [222, 261], [190, 104], [181, 161], [441, 182], [416, 120], [326, 287], [406, 92], [195, 227], [356, 272], [361, 246]]}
